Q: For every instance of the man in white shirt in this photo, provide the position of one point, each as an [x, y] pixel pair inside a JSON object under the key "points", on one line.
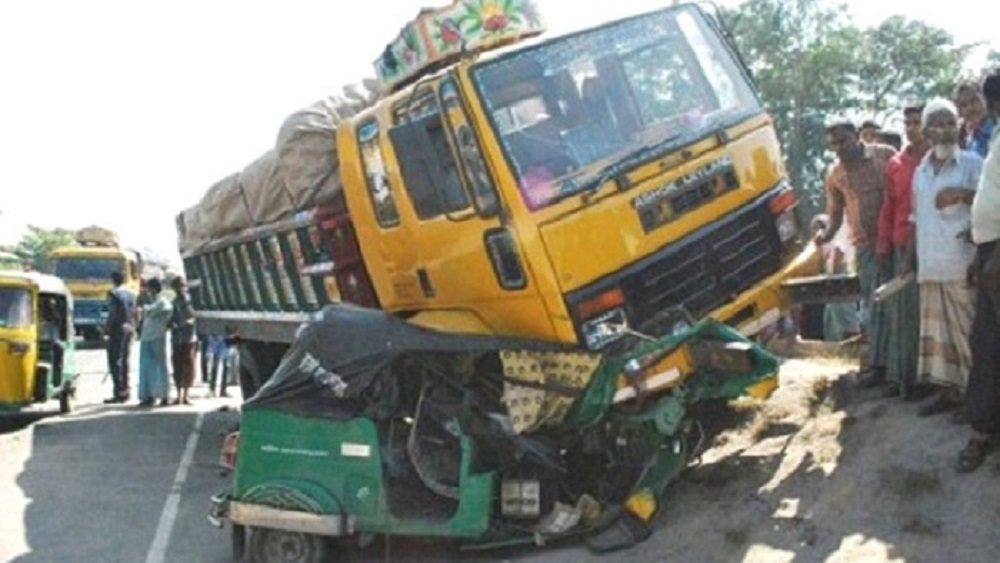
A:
{"points": [[984, 379], [944, 185]]}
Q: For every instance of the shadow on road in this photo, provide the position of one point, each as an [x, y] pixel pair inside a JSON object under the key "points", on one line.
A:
{"points": [[13, 421], [96, 482]]}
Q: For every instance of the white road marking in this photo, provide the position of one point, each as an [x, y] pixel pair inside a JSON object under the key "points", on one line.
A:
{"points": [[158, 550]]}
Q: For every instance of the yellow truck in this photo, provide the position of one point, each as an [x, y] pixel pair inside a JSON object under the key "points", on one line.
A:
{"points": [[572, 189], [86, 267]]}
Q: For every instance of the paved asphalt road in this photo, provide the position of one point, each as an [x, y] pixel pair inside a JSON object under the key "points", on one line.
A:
{"points": [[113, 482]]}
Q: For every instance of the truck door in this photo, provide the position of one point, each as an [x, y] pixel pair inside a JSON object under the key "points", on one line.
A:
{"points": [[468, 260]]}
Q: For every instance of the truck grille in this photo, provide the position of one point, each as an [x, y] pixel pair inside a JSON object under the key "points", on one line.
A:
{"points": [[706, 269], [702, 271], [91, 310]]}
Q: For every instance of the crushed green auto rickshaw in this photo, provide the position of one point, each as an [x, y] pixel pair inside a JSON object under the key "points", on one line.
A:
{"points": [[372, 425], [36, 341]]}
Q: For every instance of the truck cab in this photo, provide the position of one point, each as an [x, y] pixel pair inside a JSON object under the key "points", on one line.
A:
{"points": [[86, 269], [566, 189]]}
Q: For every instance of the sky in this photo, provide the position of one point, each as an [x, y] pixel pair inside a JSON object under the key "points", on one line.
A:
{"points": [[122, 113]]}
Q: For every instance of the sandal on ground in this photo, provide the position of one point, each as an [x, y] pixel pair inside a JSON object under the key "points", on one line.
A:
{"points": [[972, 455]]}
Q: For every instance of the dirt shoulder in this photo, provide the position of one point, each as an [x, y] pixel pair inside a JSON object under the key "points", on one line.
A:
{"points": [[825, 472]]}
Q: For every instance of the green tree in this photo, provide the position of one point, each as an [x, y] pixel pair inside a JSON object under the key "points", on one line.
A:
{"points": [[802, 57], [812, 63], [36, 245], [993, 59], [906, 60]]}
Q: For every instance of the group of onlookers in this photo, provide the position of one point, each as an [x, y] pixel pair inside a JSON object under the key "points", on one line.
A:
{"points": [[151, 318], [928, 212]]}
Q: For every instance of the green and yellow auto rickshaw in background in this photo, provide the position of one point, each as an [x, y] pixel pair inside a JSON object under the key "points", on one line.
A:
{"points": [[36, 341]]}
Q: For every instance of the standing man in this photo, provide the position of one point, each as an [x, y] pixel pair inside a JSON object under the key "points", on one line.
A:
{"points": [[984, 379], [943, 188], [977, 123], [895, 245], [156, 313], [855, 188], [870, 132], [119, 328], [183, 341]]}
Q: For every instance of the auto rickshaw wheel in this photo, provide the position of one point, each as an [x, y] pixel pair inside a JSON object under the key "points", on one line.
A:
{"points": [[239, 538], [268, 545]]}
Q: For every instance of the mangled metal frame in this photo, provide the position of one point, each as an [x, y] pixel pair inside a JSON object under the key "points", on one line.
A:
{"points": [[484, 417]]}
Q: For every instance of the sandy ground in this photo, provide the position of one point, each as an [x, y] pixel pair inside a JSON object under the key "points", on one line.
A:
{"points": [[823, 471]]}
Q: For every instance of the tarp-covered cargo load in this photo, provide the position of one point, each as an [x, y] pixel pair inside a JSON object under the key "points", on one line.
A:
{"points": [[95, 235], [299, 173], [224, 209], [188, 236], [267, 197]]}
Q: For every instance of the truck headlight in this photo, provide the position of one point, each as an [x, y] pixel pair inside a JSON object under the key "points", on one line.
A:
{"points": [[605, 328], [788, 226]]}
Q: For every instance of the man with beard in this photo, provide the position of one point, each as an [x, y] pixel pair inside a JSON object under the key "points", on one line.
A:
{"points": [[943, 188], [895, 245], [984, 380], [855, 187]]}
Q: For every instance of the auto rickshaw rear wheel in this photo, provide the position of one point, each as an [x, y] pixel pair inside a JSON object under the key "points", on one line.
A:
{"points": [[239, 538], [268, 545]]}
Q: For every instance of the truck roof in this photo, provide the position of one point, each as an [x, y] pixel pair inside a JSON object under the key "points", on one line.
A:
{"points": [[46, 283], [93, 251]]}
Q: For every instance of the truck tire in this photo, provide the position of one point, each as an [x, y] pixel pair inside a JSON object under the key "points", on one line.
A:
{"points": [[250, 374], [91, 334], [268, 545]]}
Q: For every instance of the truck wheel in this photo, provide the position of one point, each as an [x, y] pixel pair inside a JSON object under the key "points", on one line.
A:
{"points": [[239, 538], [250, 377], [91, 334], [279, 546]]}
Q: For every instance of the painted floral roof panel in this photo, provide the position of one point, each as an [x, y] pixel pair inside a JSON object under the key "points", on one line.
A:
{"points": [[439, 36]]}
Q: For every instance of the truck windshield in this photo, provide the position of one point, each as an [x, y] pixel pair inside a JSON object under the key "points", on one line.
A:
{"points": [[91, 269], [632, 90], [15, 308]]}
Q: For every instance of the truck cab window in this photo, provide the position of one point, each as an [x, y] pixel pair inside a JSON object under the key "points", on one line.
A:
{"points": [[375, 175], [467, 147], [430, 171]]}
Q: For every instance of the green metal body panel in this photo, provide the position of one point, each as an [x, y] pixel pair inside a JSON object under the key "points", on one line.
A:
{"points": [[333, 467], [336, 467]]}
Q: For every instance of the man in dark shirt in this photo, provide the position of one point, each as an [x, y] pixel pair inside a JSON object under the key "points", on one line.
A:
{"points": [[120, 330], [184, 341]]}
